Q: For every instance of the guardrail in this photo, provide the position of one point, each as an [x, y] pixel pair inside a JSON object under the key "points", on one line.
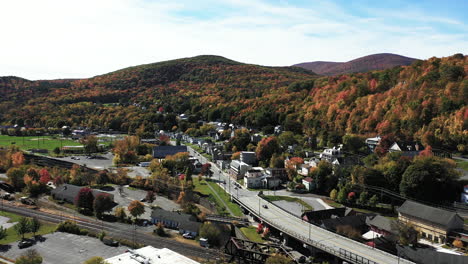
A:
{"points": [[341, 253]]}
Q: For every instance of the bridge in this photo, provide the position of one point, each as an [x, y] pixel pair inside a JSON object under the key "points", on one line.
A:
{"points": [[314, 236], [227, 219]]}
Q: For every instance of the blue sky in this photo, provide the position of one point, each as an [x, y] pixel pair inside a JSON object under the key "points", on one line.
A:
{"points": [[77, 39]]}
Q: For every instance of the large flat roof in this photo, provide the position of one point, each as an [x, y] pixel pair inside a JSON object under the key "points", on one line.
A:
{"points": [[152, 255]]}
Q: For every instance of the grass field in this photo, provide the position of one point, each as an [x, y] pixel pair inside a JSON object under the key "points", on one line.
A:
{"points": [[12, 236], [251, 234], [45, 142], [272, 198], [462, 164], [203, 188]]}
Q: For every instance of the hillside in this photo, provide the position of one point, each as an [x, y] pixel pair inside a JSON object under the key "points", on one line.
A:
{"points": [[373, 62], [426, 100]]}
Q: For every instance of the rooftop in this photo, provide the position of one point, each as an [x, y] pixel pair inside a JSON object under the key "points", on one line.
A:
{"points": [[427, 213], [150, 255]]}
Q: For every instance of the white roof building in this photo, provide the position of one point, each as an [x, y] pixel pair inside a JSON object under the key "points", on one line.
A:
{"points": [[150, 255]]}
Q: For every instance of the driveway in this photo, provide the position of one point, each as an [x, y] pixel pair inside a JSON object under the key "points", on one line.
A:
{"points": [[65, 248]]}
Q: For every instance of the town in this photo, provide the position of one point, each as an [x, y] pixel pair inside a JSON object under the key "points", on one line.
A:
{"points": [[223, 193]]}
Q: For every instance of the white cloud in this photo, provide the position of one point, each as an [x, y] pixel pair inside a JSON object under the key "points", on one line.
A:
{"points": [[76, 39]]}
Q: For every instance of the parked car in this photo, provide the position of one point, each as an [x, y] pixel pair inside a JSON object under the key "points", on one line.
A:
{"points": [[25, 243], [110, 242], [265, 206], [8, 196], [188, 236], [26, 200]]}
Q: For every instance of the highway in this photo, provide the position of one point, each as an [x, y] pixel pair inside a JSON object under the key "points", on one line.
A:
{"points": [[120, 231], [345, 248]]}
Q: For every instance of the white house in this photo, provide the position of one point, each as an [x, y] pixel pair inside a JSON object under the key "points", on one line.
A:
{"points": [[308, 183]]}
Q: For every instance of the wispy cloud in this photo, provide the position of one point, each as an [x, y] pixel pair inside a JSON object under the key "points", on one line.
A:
{"points": [[63, 39]]}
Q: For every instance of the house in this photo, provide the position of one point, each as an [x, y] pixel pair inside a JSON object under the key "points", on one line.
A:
{"points": [[432, 223], [308, 183], [355, 221], [408, 149], [316, 217], [254, 178], [248, 157], [279, 173], [464, 195], [331, 154], [373, 142], [68, 192], [381, 225], [255, 138], [185, 223], [238, 169], [150, 255], [304, 169], [153, 141], [160, 152]]}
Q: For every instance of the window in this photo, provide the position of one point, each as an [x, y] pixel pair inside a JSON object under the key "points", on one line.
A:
{"points": [[423, 235], [436, 239], [430, 237]]}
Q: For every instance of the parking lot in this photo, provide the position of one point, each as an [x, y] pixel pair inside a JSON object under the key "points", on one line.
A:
{"points": [[65, 248]]}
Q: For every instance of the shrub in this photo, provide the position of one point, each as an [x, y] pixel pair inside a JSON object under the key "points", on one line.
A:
{"points": [[70, 227]]}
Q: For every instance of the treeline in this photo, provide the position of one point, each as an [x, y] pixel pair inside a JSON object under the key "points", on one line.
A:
{"points": [[425, 101]]}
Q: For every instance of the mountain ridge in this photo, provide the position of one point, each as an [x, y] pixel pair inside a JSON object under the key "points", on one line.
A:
{"points": [[379, 61]]}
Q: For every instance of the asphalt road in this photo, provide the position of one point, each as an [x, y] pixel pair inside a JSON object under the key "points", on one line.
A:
{"points": [[308, 232], [122, 231]]}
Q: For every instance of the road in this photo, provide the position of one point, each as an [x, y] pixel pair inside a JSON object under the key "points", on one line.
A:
{"points": [[121, 231], [293, 225], [310, 233]]}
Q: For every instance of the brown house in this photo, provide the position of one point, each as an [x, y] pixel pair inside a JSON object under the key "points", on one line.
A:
{"points": [[432, 223]]}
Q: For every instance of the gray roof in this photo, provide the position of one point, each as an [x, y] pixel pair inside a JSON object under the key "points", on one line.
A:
{"points": [[68, 192], [427, 213], [380, 222], [186, 221], [160, 152], [356, 221]]}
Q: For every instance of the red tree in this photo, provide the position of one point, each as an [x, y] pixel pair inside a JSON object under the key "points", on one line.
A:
{"points": [[45, 176], [84, 199]]}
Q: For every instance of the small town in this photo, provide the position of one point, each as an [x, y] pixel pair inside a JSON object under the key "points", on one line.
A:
{"points": [[234, 132]]}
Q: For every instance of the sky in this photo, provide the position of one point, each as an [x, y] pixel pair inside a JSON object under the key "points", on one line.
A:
{"points": [[52, 39]]}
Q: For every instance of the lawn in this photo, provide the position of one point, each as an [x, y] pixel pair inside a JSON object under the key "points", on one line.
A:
{"points": [[46, 228], [251, 234], [45, 142], [462, 164], [203, 188], [272, 198]]}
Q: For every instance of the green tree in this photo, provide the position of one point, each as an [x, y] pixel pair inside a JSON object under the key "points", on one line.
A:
{"points": [[277, 161], [34, 225], [102, 203], [333, 194], [323, 177], [31, 256], [407, 234], [211, 232], [22, 227], [373, 201], [430, 178], [120, 214], [89, 143], [342, 195], [160, 231], [136, 208], [15, 177], [287, 139], [56, 150], [95, 260], [362, 200], [3, 232], [354, 144]]}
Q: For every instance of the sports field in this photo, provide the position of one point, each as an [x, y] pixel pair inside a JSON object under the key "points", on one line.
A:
{"points": [[41, 142]]}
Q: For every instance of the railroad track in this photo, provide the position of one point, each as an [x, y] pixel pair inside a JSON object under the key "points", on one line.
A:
{"points": [[121, 231]]}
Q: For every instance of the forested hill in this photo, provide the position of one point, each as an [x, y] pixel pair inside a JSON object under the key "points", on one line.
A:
{"points": [[381, 61], [426, 100]]}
